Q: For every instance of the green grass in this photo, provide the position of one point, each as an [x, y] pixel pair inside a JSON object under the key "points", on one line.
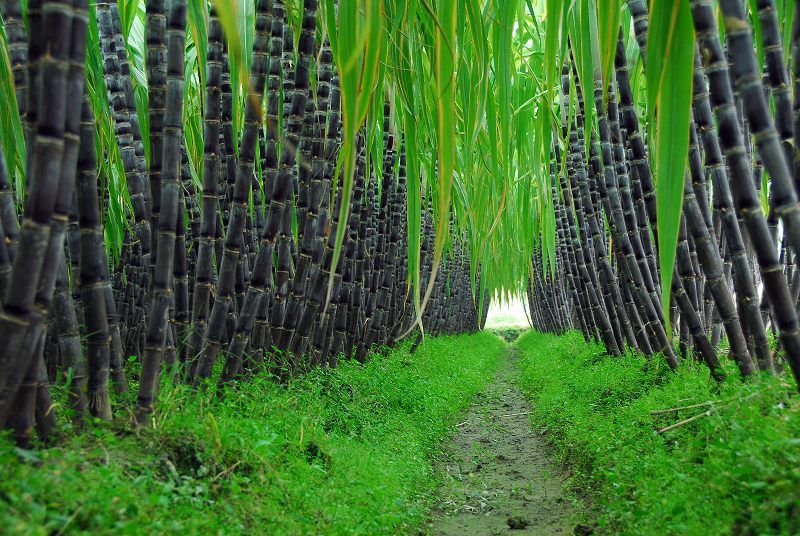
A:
{"points": [[344, 451], [735, 471]]}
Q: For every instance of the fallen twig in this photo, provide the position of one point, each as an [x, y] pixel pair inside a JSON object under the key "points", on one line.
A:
{"points": [[515, 414], [685, 421], [693, 406]]}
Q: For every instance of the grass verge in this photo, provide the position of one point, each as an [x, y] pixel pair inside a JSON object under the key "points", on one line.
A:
{"points": [[342, 451], [733, 471]]}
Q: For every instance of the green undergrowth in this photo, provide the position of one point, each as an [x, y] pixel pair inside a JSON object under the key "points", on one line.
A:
{"points": [[733, 471], [342, 451]]}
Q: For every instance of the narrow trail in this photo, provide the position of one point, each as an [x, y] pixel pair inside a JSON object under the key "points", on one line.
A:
{"points": [[499, 476]]}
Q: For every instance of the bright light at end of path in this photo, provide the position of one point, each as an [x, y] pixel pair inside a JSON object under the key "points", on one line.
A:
{"points": [[507, 314]]}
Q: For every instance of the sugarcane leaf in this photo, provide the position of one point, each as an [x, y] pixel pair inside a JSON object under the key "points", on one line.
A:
{"points": [[584, 47], [755, 22], [608, 15], [553, 36], [11, 134], [670, 53], [358, 38]]}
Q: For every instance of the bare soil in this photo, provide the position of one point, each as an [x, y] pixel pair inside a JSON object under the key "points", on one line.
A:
{"points": [[499, 477]]}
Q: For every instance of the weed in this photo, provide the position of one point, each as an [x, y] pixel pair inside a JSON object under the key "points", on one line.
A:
{"points": [[341, 451], [735, 470]]}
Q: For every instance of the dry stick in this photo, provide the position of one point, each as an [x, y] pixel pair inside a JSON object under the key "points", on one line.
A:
{"points": [[704, 414], [685, 421], [693, 406]]}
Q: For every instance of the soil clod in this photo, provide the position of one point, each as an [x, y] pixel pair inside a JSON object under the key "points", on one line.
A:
{"points": [[517, 523]]}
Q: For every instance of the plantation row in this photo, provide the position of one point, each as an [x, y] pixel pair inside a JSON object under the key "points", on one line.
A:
{"points": [[743, 135], [202, 191], [232, 264]]}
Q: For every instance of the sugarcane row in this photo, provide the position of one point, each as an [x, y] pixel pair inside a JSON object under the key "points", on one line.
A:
{"points": [[215, 283], [606, 280]]}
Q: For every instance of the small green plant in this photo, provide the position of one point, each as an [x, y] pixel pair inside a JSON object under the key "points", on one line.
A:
{"points": [[337, 451], [732, 469]]}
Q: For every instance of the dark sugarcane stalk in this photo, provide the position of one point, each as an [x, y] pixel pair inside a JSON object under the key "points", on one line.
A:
{"points": [[156, 36], [324, 330], [636, 230], [284, 247], [204, 268], [22, 415], [577, 178], [636, 310], [17, 43], [777, 77], [644, 191], [312, 190], [8, 211], [337, 344], [229, 148], [287, 259], [400, 301], [776, 84], [117, 359], [70, 350], [304, 170], [638, 9], [5, 265], [795, 62], [234, 233], [191, 199], [579, 297], [628, 307], [692, 320], [723, 205], [353, 275], [37, 42], [698, 178], [370, 254], [53, 153], [169, 193], [287, 90], [92, 276], [33, 402], [303, 311], [124, 130], [263, 336], [581, 249], [132, 152], [191, 196], [609, 279], [46, 419], [126, 122], [283, 275], [258, 219], [399, 218], [747, 201], [651, 306], [359, 229], [180, 273], [686, 267], [712, 267], [385, 249]]}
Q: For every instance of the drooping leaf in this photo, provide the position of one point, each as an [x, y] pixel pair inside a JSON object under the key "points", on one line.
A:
{"points": [[670, 53]]}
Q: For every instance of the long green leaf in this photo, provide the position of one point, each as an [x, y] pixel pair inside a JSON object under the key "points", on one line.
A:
{"points": [[670, 56]]}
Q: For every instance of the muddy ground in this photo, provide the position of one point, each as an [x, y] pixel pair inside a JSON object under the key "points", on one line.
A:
{"points": [[499, 476]]}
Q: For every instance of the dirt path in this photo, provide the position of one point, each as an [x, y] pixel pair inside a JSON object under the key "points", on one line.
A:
{"points": [[499, 478]]}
